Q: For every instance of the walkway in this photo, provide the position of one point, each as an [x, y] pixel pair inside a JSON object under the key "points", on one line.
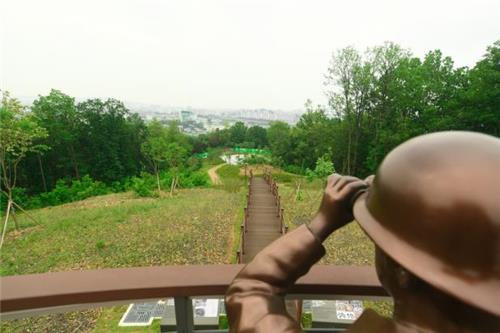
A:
{"points": [[214, 177], [263, 217], [262, 224]]}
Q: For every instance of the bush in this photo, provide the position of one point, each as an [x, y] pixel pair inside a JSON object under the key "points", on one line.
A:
{"points": [[86, 187], [146, 186], [63, 193], [194, 163], [193, 179], [324, 168], [142, 187]]}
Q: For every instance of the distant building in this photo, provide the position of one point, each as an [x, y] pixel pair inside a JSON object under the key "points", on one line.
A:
{"points": [[186, 116]]}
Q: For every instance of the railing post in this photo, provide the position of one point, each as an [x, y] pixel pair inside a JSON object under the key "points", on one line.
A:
{"points": [[281, 221], [242, 230], [238, 256], [245, 219], [278, 203], [184, 314]]}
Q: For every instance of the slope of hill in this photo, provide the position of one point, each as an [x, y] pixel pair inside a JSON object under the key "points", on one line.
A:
{"points": [[120, 230]]}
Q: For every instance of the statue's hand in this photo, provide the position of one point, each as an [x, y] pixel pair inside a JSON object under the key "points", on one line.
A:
{"points": [[335, 210]]}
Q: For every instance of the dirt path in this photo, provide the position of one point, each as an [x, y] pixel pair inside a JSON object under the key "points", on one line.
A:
{"points": [[214, 177]]}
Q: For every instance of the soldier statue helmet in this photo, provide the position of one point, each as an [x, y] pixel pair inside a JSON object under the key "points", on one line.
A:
{"points": [[433, 212]]}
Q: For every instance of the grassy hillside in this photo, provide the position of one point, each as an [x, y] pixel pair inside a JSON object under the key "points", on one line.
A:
{"points": [[120, 230], [196, 226]]}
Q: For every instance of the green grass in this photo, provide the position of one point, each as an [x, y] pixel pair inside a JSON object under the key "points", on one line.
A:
{"points": [[232, 180], [229, 171], [197, 226]]}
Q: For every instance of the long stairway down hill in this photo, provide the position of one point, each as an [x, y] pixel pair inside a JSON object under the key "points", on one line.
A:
{"points": [[262, 224], [263, 217]]}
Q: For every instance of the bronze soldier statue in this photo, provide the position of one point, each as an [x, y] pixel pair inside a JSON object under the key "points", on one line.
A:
{"points": [[433, 212]]}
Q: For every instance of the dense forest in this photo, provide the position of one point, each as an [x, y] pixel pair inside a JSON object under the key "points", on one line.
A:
{"points": [[377, 99]]}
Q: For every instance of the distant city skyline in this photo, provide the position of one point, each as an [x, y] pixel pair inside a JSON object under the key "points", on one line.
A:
{"points": [[219, 55]]}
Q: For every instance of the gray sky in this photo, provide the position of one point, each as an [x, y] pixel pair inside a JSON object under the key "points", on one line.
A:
{"points": [[219, 54]]}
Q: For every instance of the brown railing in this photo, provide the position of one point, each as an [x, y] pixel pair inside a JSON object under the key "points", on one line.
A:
{"points": [[24, 295], [243, 227], [273, 185]]}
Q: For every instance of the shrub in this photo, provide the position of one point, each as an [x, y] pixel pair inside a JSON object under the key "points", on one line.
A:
{"points": [[193, 179], [77, 190], [194, 163], [324, 168], [142, 186]]}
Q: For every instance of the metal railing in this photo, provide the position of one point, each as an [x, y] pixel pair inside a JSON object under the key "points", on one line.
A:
{"points": [[273, 186], [36, 294]]}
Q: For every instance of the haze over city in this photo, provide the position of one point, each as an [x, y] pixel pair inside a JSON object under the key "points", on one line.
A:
{"points": [[219, 54]]}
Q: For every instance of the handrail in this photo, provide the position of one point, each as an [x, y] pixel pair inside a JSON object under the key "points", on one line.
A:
{"points": [[36, 291]]}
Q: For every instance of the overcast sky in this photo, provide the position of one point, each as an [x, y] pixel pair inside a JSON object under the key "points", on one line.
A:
{"points": [[219, 54]]}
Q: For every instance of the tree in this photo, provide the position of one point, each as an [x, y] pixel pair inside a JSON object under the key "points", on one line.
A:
{"points": [[258, 136], [480, 100], [237, 133], [279, 138], [342, 74], [110, 139], [176, 155], [19, 136], [57, 113], [156, 148], [312, 137]]}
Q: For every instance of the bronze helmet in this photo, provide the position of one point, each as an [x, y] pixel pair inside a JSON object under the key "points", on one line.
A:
{"points": [[434, 207]]}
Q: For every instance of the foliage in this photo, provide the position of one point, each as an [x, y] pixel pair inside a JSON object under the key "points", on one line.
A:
{"points": [[381, 99], [237, 132], [143, 186], [324, 168], [94, 137], [19, 136], [257, 136], [64, 192]]}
